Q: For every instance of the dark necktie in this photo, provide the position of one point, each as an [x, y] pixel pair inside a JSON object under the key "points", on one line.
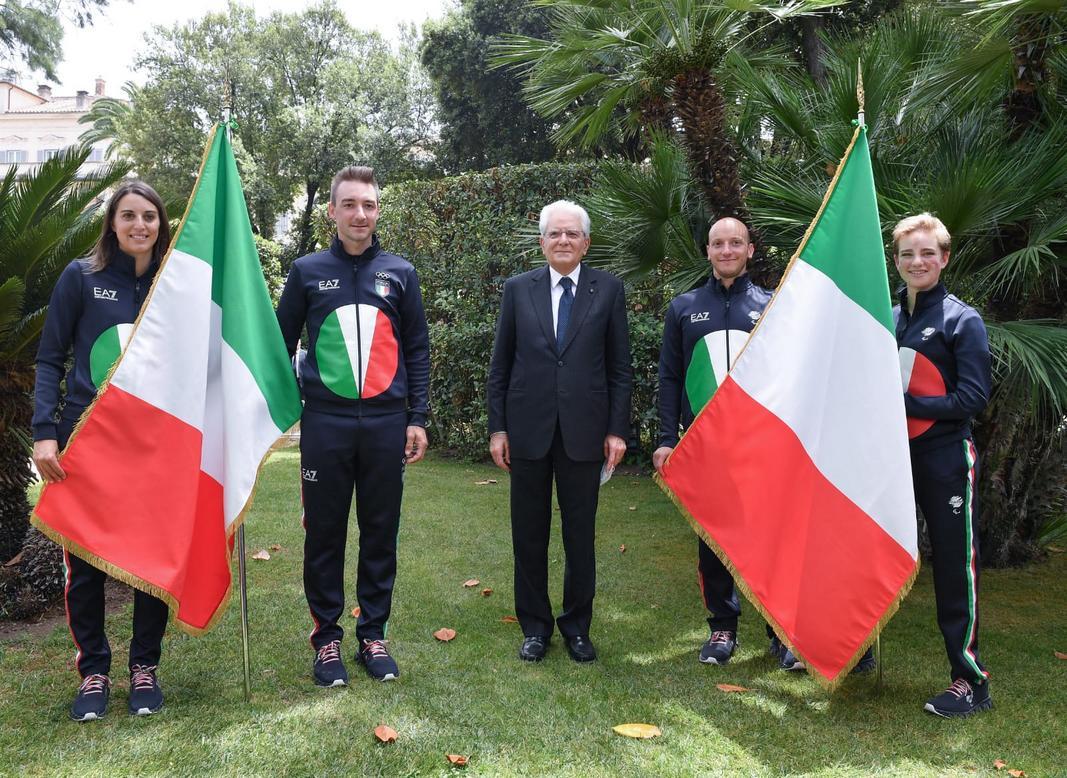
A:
{"points": [[564, 314]]}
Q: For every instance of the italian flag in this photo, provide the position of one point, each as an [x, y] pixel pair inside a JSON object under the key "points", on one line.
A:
{"points": [[797, 471], [162, 466]]}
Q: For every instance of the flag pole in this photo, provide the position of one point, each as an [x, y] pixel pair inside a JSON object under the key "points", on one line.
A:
{"points": [[241, 567], [860, 120]]}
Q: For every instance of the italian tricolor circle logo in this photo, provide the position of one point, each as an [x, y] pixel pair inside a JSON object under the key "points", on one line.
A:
{"points": [[708, 365], [921, 378], [107, 349], [356, 342]]}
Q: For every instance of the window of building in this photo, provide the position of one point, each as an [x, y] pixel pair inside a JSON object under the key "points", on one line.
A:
{"points": [[96, 155], [43, 155], [12, 156]]}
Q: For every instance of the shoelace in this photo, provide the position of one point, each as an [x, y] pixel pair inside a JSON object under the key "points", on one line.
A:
{"points": [[142, 677], [959, 687], [376, 649], [94, 684], [331, 652], [720, 637]]}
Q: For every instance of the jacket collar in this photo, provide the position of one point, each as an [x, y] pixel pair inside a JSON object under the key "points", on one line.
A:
{"points": [[740, 285], [923, 300], [338, 250], [127, 265]]}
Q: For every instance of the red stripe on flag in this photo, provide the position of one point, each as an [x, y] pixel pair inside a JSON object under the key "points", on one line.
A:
{"points": [[821, 568], [381, 365], [135, 497]]}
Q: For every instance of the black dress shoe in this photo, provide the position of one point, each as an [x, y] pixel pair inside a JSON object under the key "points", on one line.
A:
{"points": [[580, 647], [533, 648]]}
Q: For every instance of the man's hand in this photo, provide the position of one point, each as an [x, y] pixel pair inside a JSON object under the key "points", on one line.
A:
{"points": [[500, 451], [614, 450], [46, 460], [659, 456], [415, 447]]}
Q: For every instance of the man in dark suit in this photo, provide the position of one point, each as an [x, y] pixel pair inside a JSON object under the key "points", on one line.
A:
{"points": [[559, 405]]}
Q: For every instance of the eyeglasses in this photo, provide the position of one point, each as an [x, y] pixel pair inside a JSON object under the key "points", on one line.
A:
{"points": [[557, 234]]}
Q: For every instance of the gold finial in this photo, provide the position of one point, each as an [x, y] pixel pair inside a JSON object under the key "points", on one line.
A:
{"points": [[859, 91]]}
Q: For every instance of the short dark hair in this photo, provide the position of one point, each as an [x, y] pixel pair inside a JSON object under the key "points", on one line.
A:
{"points": [[354, 173], [107, 245]]}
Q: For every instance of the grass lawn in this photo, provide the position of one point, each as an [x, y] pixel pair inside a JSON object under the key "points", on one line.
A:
{"points": [[473, 696]]}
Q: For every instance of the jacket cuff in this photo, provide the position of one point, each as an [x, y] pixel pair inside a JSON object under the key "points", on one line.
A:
{"points": [[672, 442], [45, 432], [416, 419]]}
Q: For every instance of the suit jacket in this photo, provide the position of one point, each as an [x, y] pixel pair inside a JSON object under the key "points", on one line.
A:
{"points": [[585, 385]]}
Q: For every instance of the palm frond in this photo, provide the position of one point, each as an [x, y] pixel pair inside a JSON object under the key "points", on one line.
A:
{"points": [[20, 340], [1030, 357]]}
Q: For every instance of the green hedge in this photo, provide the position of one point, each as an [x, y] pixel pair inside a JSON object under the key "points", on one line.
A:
{"points": [[466, 235]]}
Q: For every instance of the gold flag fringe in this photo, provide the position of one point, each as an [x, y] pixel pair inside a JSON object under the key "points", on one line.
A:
{"points": [[830, 684], [111, 569]]}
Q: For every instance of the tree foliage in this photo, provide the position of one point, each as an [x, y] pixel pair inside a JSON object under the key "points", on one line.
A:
{"points": [[32, 30]]}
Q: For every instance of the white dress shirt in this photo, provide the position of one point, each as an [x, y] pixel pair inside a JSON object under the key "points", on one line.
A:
{"points": [[557, 290]]}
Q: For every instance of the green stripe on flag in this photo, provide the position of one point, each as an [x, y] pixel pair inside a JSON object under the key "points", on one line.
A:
{"points": [[700, 383], [217, 230], [845, 242]]}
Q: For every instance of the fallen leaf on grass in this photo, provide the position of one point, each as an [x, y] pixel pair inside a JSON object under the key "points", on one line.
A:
{"points": [[729, 687], [485, 482], [261, 554], [444, 634], [275, 547], [1017, 773], [509, 620], [355, 612], [633, 507], [471, 582], [1000, 764], [1060, 655], [457, 759], [486, 592], [637, 730], [385, 733], [622, 549]]}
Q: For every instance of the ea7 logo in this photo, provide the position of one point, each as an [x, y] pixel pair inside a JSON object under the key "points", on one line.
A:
{"points": [[702, 316], [333, 283], [309, 475], [105, 294]]}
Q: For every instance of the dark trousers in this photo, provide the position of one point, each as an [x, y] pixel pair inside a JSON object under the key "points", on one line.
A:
{"points": [[84, 597], [946, 488], [339, 454], [717, 589], [578, 490]]}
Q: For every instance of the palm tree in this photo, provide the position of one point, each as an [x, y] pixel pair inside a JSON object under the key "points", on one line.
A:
{"points": [[47, 218], [105, 118], [997, 177], [664, 62]]}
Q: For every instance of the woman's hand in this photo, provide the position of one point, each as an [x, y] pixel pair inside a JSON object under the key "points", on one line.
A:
{"points": [[46, 460]]}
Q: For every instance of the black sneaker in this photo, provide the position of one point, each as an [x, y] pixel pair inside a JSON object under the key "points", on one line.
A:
{"points": [[719, 647], [961, 699], [867, 664], [91, 700], [787, 660], [329, 669], [374, 656], [146, 697]]}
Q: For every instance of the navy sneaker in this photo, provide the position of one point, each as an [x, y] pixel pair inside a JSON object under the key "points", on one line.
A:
{"points": [[374, 656], [329, 669], [719, 647], [867, 664], [787, 660], [146, 697], [91, 700], [960, 699]]}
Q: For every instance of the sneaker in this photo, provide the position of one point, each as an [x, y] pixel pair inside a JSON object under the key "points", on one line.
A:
{"points": [[960, 699], [374, 656], [146, 697], [719, 647], [867, 664], [787, 660], [329, 669], [91, 700]]}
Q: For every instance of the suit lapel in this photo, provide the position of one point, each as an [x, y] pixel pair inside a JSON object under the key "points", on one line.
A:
{"points": [[583, 301], [541, 298]]}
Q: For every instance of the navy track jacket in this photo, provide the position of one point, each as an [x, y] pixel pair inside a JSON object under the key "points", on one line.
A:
{"points": [[945, 365], [369, 346], [91, 313], [721, 319]]}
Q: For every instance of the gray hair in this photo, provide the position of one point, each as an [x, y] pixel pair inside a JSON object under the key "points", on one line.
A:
{"points": [[563, 205]]}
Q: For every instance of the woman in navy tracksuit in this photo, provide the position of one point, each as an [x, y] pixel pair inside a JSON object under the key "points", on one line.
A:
{"points": [[945, 365], [90, 315]]}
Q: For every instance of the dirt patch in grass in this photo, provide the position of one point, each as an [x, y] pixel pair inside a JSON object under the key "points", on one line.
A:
{"points": [[116, 594]]}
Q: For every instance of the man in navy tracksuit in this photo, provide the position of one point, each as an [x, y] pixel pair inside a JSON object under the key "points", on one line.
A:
{"points": [[945, 365], [704, 331], [366, 384]]}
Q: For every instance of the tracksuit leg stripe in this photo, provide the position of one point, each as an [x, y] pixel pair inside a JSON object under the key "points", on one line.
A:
{"points": [[66, 607], [970, 456]]}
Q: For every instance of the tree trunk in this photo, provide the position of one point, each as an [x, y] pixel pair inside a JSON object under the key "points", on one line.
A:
{"points": [[814, 51], [1030, 56], [305, 229], [16, 383]]}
